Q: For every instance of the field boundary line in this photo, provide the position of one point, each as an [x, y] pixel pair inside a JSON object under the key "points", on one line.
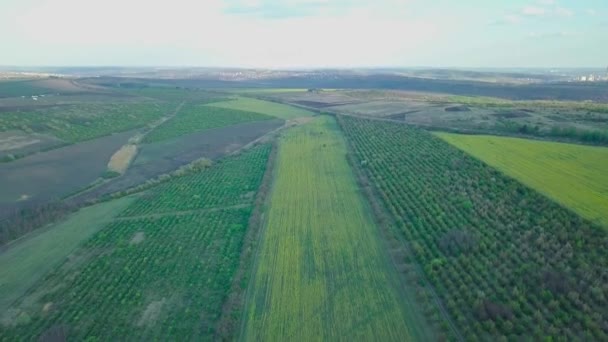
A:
{"points": [[259, 239], [380, 216], [182, 212], [468, 131], [98, 183], [229, 328]]}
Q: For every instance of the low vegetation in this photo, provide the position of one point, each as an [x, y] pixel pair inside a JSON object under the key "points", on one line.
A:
{"points": [[161, 276], [25, 261], [83, 122], [197, 117], [573, 175], [321, 271], [505, 261], [231, 182], [461, 237]]}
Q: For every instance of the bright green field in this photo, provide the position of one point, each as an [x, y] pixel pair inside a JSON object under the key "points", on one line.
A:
{"points": [[574, 175], [28, 259], [321, 273], [263, 107]]}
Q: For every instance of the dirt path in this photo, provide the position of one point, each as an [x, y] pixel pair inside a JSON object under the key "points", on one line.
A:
{"points": [[134, 140]]}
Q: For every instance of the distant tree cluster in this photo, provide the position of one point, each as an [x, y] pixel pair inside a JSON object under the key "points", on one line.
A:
{"points": [[568, 132], [27, 220]]}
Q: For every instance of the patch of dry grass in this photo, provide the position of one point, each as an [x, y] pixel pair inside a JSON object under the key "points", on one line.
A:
{"points": [[121, 160]]}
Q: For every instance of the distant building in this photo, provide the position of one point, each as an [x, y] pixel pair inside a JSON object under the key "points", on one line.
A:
{"points": [[584, 78]]}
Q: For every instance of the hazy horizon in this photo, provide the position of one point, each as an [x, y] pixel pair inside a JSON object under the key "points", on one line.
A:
{"points": [[305, 34]]}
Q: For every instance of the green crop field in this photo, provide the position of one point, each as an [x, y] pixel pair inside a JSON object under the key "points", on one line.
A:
{"points": [[27, 260], [278, 214], [231, 182], [264, 107], [161, 276], [506, 262], [573, 175], [321, 273], [75, 123], [196, 117]]}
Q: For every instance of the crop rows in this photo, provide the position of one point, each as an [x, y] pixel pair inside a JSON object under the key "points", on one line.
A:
{"points": [[321, 272], [574, 175], [83, 122], [183, 265], [156, 277], [232, 181], [196, 117], [504, 260]]}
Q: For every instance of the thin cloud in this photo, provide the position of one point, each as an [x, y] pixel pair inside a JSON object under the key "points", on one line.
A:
{"points": [[533, 11], [548, 9], [275, 9], [548, 35], [508, 19], [564, 12]]}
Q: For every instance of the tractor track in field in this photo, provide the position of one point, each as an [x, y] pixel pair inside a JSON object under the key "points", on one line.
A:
{"points": [[182, 212]]}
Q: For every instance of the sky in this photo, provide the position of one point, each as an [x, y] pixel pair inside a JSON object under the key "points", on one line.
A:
{"points": [[305, 33]]}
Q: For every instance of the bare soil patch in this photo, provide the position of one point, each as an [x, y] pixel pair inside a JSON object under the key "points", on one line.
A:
{"points": [[60, 85], [120, 161], [53, 174], [151, 313], [138, 238], [16, 142], [21, 143], [163, 157]]}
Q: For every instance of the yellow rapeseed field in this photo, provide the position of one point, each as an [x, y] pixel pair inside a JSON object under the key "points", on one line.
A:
{"points": [[575, 176], [322, 273]]}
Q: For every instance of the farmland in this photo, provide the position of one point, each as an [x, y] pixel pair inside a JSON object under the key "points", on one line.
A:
{"points": [[320, 249], [25, 261], [21, 88], [196, 117], [53, 174], [84, 122], [505, 261], [231, 182], [263, 107], [571, 121], [150, 276], [135, 208], [155, 159], [573, 175]]}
